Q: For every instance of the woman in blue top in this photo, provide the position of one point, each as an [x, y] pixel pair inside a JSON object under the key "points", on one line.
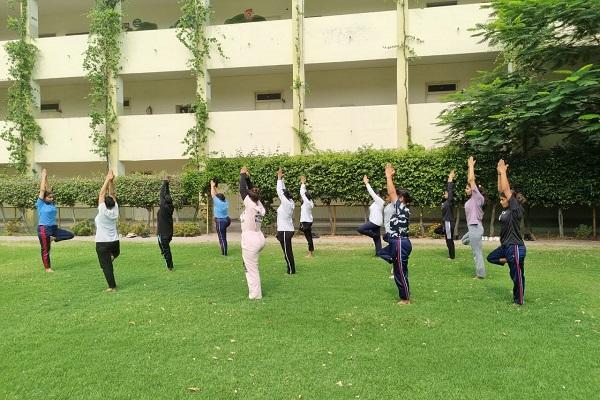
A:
{"points": [[47, 228], [221, 212]]}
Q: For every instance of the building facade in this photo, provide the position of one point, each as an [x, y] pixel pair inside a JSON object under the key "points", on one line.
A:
{"points": [[361, 89]]}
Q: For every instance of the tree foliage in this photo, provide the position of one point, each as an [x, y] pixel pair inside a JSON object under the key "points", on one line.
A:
{"points": [[21, 130], [511, 109], [102, 63], [195, 15]]}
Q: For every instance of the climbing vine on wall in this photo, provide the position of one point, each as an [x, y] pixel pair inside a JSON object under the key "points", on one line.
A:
{"points": [[102, 58], [21, 130], [302, 130], [195, 15]]}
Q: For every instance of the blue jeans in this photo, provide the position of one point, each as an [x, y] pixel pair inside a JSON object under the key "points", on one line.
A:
{"points": [[515, 256]]}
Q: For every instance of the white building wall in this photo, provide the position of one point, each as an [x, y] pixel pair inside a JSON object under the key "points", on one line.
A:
{"points": [[320, 8], [237, 93], [351, 87], [161, 95], [462, 73], [72, 99]]}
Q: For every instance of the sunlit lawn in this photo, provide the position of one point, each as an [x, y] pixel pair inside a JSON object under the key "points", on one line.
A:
{"points": [[333, 331]]}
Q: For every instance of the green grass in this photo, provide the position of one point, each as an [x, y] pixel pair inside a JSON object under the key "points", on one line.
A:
{"points": [[333, 331]]}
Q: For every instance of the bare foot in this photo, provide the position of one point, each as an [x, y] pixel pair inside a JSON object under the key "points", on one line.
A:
{"points": [[49, 270], [310, 254], [478, 277], [403, 302], [111, 290]]}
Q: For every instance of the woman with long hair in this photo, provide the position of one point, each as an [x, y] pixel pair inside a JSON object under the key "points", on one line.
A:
{"points": [[253, 240]]}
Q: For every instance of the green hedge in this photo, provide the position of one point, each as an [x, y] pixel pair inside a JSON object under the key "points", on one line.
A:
{"points": [[556, 178]]}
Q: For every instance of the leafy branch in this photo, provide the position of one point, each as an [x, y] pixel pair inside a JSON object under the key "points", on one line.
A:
{"points": [[102, 59], [21, 130]]}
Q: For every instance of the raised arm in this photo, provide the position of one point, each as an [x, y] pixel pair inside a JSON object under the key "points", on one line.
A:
{"points": [[164, 190], [106, 187], [471, 173], [503, 184], [213, 188], [43, 183], [303, 189], [389, 176], [374, 195], [450, 186], [280, 186], [245, 184]]}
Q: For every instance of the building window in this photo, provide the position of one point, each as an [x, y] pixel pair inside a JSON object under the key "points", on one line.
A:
{"points": [[126, 103], [77, 33], [184, 109], [442, 3], [437, 91], [268, 100], [45, 35], [50, 107]]}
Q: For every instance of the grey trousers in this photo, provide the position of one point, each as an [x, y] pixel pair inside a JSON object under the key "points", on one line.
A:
{"points": [[473, 237]]}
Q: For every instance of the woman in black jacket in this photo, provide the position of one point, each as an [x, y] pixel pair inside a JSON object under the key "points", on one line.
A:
{"points": [[448, 215], [165, 223]]}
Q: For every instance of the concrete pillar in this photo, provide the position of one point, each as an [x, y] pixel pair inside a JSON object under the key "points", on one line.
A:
{"points": [[31, 35], [116, 103], [402, 126], [299, 78]]}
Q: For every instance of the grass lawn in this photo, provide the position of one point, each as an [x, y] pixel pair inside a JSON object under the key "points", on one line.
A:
{"points": [[333, 331]]}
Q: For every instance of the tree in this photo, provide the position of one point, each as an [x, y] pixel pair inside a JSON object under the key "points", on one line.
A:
{"points": [[510, 109]]}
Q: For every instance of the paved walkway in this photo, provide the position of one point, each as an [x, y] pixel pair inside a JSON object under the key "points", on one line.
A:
{"points": [[323, 240]]}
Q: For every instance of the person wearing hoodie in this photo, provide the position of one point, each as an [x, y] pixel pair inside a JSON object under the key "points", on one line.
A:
{"points": [[164, 219]]}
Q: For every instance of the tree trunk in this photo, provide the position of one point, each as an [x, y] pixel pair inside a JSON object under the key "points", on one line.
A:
{"points": [[594, 234], [492, 220], [455, 233], [4, 218], [561, 232], [73, 214], [330, 212], [58, 215], [334, 220], [24, 218], [421, 226], [176, 216], [366, 211], [149, 217]]}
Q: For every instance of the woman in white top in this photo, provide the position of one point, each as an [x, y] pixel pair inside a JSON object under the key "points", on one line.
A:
{"points": [[285, 222], [253, 240], [107, 237], [372, 226], [306, 217]]}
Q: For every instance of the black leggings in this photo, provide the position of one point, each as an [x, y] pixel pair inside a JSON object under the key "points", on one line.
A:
{"points": [[449, 236], [164, 242], [306, 228], [285, 239], [107, 252]]}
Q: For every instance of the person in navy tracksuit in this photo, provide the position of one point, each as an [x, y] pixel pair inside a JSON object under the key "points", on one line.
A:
{"points": [[400, 247], [512, 248]]}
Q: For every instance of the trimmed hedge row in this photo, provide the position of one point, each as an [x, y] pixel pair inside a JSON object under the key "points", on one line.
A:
{"points": [[557, 178]]}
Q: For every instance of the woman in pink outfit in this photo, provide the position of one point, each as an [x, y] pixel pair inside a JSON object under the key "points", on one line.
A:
{"points": [[253, 240]]}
